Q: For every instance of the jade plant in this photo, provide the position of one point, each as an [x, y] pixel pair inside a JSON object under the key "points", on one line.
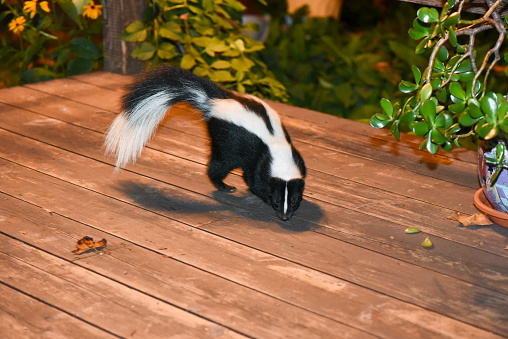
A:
{"points": [[451, 100], [208, 38]]}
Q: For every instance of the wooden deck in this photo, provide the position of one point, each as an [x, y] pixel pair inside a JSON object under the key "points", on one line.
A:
{"points": [[184, 261]]}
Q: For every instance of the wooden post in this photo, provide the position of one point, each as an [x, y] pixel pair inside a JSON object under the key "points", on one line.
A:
{"points": [[322, 8], [117, 15]]}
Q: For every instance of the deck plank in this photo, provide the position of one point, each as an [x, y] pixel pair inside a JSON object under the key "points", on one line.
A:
{"points": [[341, 193], [471, 264], [329, 295], [291, 246], [172, 281], [345, 141], [94, 298], [324, 159], [342, 263], [24, 316]]}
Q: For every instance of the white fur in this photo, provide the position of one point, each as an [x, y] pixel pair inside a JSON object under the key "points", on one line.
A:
{"points": [[286, 199], [127, 136], [283, 165]]}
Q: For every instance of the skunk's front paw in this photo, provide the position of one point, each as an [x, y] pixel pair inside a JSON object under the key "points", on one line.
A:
{"points": [[228, 189]]}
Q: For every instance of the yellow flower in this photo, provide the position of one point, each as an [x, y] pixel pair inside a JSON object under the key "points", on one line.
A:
{"points": [[17, 25], [31, 7], [93, 11]]}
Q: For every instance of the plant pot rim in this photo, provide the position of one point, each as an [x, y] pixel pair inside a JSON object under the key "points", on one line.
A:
{"points": [[481, 202]]}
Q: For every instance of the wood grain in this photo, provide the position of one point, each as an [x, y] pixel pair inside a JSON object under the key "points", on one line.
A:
{"points": [[342, 265]]}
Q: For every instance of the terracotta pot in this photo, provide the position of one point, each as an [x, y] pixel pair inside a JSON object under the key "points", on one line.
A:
{"points": [[484, 206]]}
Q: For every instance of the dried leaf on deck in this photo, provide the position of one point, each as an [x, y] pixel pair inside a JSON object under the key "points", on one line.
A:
{"points": [[468, 220], [86, 243], [427, 242], [412, 230]]}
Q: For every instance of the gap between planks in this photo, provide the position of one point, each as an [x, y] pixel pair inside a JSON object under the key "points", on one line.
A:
{"points": [[38, 194]]}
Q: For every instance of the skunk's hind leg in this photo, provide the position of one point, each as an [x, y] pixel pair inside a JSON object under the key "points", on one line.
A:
{"points": [[217, 171]]}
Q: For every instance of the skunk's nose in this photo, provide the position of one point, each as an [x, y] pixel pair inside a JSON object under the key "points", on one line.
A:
{"points": [[284, 217]]}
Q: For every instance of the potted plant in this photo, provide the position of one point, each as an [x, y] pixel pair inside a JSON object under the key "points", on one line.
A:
{"points": [[450, 102]]}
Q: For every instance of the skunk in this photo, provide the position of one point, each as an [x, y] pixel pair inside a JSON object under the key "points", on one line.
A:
{"points": [[245, 133]]}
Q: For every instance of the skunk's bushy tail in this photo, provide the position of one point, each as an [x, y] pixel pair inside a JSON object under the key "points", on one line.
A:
{"points": [[146, 103]]}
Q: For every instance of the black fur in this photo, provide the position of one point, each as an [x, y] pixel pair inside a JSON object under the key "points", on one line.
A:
{"points": [[232, 146]]}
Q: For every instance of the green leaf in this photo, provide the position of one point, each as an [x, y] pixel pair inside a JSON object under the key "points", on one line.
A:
{"points": [[453, 19], [32, 51], [428, 15], [416, 35], [442, 54], [436, 83], [143, 51], [407, 87], [442, 95], [202, 41], [427, 242], [457, 91], [242, 64], [503, 124], [80, 66], [379, 120], [453, 129], [461, 49], [437, 137], [72, 12], [394, 130], [483, 130], [466, 120], [171, 30], [466, 76], [420, 129], [443, 121], [417, 24], [221, 76], [412, 230], [167, 51], [85, 48], [488, 105], [502, 109], [408, 117], [457, 108], [425, 92], [439, 66], [431, 147], [417, 74], [221, 64], [387, 107], [428, 110], [473, 108], [447, 146], [37, 74], [135, 31], [422, 46], [216, 46], [452, 37], [134, 27], [187, 62], [465, 66]]}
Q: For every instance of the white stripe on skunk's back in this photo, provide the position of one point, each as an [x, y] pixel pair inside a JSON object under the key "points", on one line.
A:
{"points": [[283, 165]]}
